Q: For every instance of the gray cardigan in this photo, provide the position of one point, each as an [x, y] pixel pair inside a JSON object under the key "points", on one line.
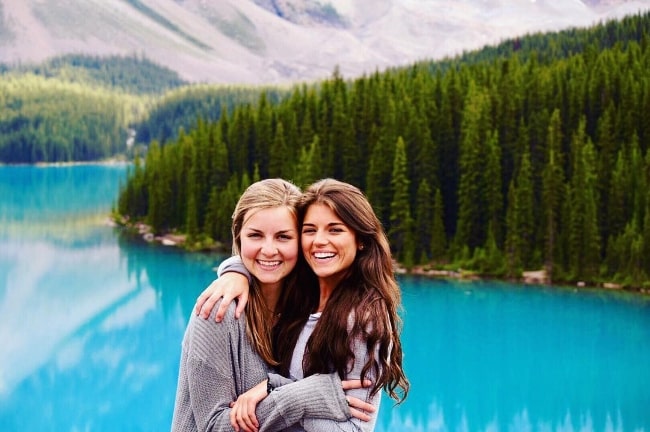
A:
{"points": [[319, 423], [218, 363]]}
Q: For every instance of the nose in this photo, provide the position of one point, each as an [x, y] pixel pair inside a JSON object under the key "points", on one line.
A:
{"points": [[320, 237], [269, 248]]}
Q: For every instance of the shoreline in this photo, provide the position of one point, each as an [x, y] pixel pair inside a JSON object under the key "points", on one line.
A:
{"points": [[532, 277], [529, 277], [110, 161]]}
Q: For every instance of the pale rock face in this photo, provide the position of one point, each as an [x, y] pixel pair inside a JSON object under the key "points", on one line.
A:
{"points": [[282, 41]]}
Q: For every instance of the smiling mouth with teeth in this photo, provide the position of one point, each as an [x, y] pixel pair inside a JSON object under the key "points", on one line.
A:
{"points": [[268, 263], [324, 255]]}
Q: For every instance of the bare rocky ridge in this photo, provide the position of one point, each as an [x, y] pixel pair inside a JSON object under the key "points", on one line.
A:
{"points": [[277, 41]]}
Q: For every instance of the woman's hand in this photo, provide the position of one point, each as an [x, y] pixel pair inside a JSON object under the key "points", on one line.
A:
{"points": [[242, 413], [230, 286], [358, 408]]}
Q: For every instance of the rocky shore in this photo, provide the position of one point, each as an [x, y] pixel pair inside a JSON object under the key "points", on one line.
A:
{"points": [[531, 277]]}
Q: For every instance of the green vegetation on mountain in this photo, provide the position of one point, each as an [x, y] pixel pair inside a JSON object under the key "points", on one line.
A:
{"points": [[180, 108], [534, 157], [81, 108], [44, 120], [129, 74]]}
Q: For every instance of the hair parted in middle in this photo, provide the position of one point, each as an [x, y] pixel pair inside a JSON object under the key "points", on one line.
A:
{"points": [[370, 286], [264, 194]]}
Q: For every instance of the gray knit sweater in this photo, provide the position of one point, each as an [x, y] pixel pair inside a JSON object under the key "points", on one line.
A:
{"points": [[218, 363], [318, 423]]}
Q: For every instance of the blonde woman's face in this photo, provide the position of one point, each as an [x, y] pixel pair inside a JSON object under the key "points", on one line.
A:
{"points": [[269, 244]]}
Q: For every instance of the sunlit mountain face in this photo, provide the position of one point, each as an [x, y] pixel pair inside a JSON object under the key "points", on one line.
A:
{"points": [[277, 41]]}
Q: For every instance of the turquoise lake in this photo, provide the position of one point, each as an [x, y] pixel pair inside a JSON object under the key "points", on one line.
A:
{"points": [[91, 323]]}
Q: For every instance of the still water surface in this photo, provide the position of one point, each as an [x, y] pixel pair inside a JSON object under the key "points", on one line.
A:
{"points": [[91, 324]]}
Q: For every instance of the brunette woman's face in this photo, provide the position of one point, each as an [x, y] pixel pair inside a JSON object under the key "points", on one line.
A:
{"points": [[269, 244], [329, 245]]}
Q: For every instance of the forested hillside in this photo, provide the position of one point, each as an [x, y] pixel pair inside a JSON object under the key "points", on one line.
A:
{"points": [[130, 74], [82, 108], [179, 109], [44, 120], [532, 158]]}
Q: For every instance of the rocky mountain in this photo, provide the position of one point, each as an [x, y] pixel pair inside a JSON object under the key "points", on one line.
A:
{"points": [[276, 41]]}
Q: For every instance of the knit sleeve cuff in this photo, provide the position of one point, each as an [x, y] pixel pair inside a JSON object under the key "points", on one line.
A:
{"points": [[317, 396], [277, 380]]}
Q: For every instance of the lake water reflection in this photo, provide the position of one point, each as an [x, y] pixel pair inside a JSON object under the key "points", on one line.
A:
{"points": [[91, 324]]}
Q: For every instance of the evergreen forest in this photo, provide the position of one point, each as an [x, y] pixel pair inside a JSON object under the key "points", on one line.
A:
{"points": [[533, 155]]}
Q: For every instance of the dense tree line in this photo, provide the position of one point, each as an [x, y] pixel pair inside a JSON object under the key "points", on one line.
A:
{"points": [[500, 165], [179, 109]]}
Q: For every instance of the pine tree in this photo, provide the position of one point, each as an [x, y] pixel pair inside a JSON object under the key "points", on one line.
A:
{"points": [[584, 235], [645, 253], [212, 213], [552, 194], [219, 166], [524, 210], [191, 216], [472, 206], [133, 197], [401, 234], [438, 233], [278, 154], [423, 222], [346, 165], [378, 179], [619, 195], [238, 145], [264, 135], [494, 187], [638, 181], [308, 168], [606, 144], [512, 243], [157, 189]]}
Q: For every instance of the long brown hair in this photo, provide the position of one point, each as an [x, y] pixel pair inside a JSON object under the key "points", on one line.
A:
{"points": [[264, 194], [369, 294]]}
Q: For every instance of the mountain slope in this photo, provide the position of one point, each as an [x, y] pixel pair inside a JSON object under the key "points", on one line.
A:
{"points": [[274, 41]]}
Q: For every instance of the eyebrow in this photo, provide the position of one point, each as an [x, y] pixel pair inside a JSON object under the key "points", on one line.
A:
{"points": [[277, 232], [331, 224]]}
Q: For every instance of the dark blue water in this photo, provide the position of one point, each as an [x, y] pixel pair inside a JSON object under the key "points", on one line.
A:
{"points": [[91, 323]]}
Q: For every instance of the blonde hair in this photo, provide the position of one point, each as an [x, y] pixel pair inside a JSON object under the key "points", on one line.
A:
{"points": [[264, 194]]}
